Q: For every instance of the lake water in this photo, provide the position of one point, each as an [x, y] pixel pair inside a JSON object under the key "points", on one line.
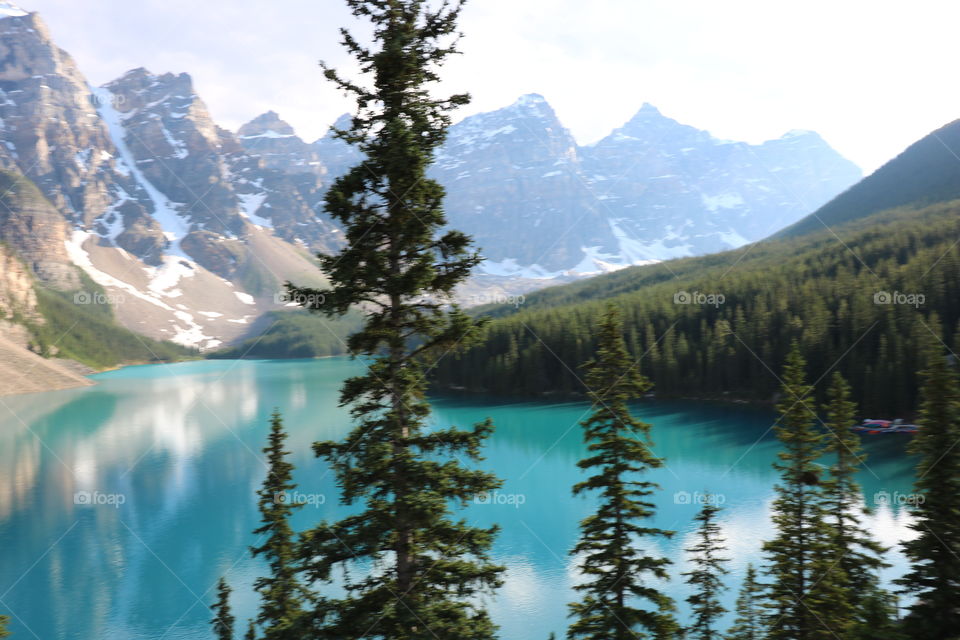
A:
{"points": [[122, 504]]}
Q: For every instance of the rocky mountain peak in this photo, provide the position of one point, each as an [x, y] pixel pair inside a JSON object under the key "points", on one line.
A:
{"points": [[527, 132], [139, 89], [277, 144], [650, 126], [648, 110], [531, 104], [267, 125], [28, 50], [799, 133]]}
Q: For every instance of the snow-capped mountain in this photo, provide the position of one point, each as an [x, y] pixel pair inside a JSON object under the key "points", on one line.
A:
{"points": [[539, 205], [155, 202], [195, 228]]}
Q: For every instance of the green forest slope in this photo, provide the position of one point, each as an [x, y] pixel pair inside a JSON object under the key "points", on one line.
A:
{"points": [[827, 291], [89, 333], [294, 334]]}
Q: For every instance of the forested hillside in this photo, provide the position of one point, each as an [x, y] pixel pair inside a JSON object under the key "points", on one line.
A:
{"points": [[89, 333], [845, 298], [295, 334]]}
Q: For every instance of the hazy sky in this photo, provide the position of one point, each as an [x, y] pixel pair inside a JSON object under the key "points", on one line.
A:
{"points": [[871, 77]]}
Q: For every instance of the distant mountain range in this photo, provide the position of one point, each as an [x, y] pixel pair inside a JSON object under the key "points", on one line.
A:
{"points": [[188, 230], [539, 205], [862, 284]]}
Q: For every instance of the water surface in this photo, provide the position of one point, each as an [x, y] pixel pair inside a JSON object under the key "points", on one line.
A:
{"points": [[122, 504]]}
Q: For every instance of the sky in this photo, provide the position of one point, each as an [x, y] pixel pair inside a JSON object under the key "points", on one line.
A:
{"points": [[870, 77]]}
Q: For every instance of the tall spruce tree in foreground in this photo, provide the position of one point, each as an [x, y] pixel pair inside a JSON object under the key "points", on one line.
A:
{"points": [[749, 623], [707, 578], [222, 620], [855, 553], [414, 571], [4, 621], [805, 577], [618, 603], [282, 615], [934, 576]]}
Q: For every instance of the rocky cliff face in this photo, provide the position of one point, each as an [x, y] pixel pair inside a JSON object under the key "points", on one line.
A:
{"points": [[18, 300], [51, 131], [515, 181], [164, 128], [212, 184], [139, 188], [270, 138], [36, 232]]}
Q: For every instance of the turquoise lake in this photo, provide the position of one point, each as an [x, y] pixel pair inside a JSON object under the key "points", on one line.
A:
{"points": [[122, 504]]}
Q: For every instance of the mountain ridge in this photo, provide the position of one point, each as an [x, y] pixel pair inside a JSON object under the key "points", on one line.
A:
{"points": [[926, 172]]}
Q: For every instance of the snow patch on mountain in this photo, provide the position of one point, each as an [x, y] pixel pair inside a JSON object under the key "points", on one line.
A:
{"points": [[509, 268], [269, 133], [596, 262], [168, 275], [722, 201], [187, 332], [636, 251], [174, 226], [250, 203]]}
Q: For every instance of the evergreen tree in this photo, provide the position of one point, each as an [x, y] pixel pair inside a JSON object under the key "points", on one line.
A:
{"points": [[282, 596], [806, 580], [418, 571], [853, 550], [876, 616], [251, 631], [617, 572], [4, 621], [749, 623], [222, 620], [707, 578], [934, 576]]}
